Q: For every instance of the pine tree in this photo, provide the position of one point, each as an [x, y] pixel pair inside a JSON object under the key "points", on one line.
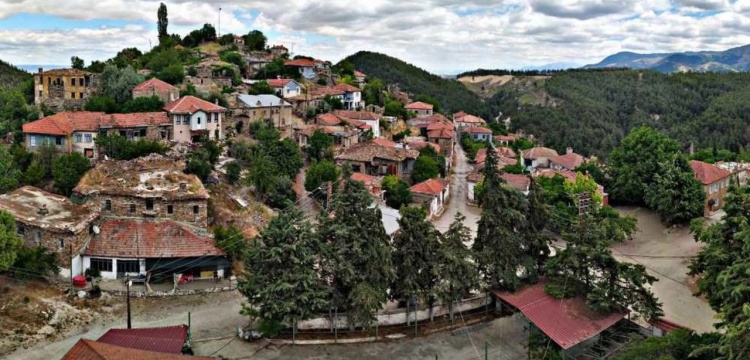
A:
{"points": [[498, 245], [415, 257], [457, 270], [283, 285], [162, 22], [536, 246], [357, 261]]}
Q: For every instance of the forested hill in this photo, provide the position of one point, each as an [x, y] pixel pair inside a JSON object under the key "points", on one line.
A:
{"points": [[11, 76], [594, 110], [453, 96]]}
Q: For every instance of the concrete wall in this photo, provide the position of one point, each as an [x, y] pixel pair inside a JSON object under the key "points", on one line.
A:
{"points": [[183, 132], [86, 263], [82, 146], [398, 316]]}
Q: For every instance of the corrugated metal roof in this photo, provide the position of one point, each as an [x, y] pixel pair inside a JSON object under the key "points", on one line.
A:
{"points": [[168, 339], [567, 322]]}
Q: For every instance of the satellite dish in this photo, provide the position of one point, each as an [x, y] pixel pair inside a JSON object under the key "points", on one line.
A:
{"points": [[95, 229]]}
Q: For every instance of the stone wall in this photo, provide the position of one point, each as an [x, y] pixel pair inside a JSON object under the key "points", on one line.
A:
{"points": [[166, 96], [182, 210], [52, 240]]}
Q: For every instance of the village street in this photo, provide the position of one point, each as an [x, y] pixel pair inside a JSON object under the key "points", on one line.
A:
{"points": [[457, 202]]}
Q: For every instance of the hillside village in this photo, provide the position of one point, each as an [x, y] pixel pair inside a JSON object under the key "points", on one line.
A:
{"points": [[193, 168]]}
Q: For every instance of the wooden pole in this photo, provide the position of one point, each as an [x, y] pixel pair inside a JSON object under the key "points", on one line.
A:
{"points": [[128, 301], [70, 253]]}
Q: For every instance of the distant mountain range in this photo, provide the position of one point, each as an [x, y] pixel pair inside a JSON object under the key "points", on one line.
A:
{"points": [[33, 68], [732, 60]]}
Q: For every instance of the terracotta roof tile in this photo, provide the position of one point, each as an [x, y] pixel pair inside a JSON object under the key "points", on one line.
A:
{"points": [[135, 120], [477, 130], [506, 155], [327, 119], [357, 115], [278, 83], [131, 238], [86, 349], [156, 84], [517, 181], [168, 339], [470, 119], [538, 152], [440, 134], [419, 106], [300, 63], [346, 88], [429, 187], [191, 104], [508, 138], [569, 161], [358, 73], [706, 173]]}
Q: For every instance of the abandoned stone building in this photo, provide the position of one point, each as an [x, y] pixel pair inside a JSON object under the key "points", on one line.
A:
{"points": [[155, 87], [63, 89], [149, 187], [52, 221]]}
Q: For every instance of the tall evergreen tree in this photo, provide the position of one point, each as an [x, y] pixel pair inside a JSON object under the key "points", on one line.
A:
{"points": [[283, 285], [162, 22], [415, 257], [536, 246], [457, 270], [358, 257], [499, 245]]}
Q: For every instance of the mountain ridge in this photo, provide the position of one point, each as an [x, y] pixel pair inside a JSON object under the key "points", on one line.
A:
{"points": [[731, 60]]}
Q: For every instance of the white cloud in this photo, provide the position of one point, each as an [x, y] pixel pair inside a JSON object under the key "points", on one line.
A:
{"points": [[438, 35]]}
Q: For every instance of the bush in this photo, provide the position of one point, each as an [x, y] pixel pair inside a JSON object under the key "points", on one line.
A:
{"points": [[143, 104], [397, 192], [34, 174], [120, 148], [199, 165], [234, 169], [281, 194], [67, 170], [102, 103], [37, 260]]}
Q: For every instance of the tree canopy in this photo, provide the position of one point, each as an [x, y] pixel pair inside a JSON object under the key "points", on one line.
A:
{"points": [[10, 243]]}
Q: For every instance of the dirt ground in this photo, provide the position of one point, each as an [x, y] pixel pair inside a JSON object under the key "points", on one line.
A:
{"points": [[666, 252]]}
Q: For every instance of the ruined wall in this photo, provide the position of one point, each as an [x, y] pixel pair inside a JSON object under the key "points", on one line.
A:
{"points": [[57, 242], [182, 210]]}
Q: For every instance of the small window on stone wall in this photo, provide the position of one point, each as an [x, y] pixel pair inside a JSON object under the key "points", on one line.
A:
{"points": [[196, 209], [170, 209], [132, 207], [108, 205], [61, 243]]}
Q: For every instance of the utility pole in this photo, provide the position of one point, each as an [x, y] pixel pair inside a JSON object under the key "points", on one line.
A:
{"points": [[130, 282], [70, 253], [219, 33]]}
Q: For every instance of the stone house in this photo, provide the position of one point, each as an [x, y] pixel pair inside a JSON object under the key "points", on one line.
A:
{"points": [[342, 136], [63, 89], [570, 161], [463, 120], [147, 187], [261, 107], [538, 157], [52, 221], [372, 159], [279, 50], [419, 108], [192, 118], [433, 194], [356, 117], [715, 181], [155, 87], [71, 131]]}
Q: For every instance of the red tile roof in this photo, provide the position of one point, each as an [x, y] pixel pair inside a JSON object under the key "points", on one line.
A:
{"points": [[328, 119], [440, 125], [278, 83], [551, 173], [191, 104], [384, 142], [65, 123], [707, 173], [470, 119], [300, 63], [130, 238], [538, 152], [358, 73], [519, 182], [363, 178], [135, 119], [427, 120], [459, 115], [505, 155], [323, 91], [418, 106], [440, 134], [346, 88], [429, 187], [358, 115], [567, 322], [477, 130], [168, 339], [667, 326], [86, 349], [154, 83], [569, 161]]}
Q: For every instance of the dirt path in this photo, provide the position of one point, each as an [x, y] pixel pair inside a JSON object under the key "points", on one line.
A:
{"points": [[666, 255]]}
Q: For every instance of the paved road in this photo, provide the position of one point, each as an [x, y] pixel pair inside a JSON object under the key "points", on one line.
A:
{"points": [[457, 202]]}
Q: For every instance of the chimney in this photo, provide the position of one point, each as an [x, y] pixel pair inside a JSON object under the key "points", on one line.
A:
{"points": [[183, 185], [43, 210], [569, 150], [41, 70], [216, 101]]}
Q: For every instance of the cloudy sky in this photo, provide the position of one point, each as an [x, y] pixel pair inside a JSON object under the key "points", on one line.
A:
{"points": [[442, 36]]}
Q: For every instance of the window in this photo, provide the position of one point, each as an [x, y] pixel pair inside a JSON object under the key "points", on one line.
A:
{"points": [[216, 117], [61, 243], [199, 120], [32, 140], [80, 95], [196, 209], [79, 137], [101, 264], [170, 209], [72, 95], [132, 208], [143, 133], [108, 205], [149, 204], [38, 237], [41, 93], [87, 138], [20, 230], [128, 266], [58, 141], [73, 82]]}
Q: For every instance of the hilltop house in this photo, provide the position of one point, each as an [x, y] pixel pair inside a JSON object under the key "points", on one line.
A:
{"points": [[285, 88], [305, 67], [715, 181], [372, 159], [369, 118], [158, 88], [352, 96], [463, 120], [61, 89], [261, 107], [51, 221], [515, 181], [538, 157], [419, 108], [279, 50], [478, 133], [193, 117], [77, 130], [342, 136], [433, 194], [570, 161]]}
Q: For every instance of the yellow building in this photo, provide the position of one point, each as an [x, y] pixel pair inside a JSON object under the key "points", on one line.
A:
{"points": [[63, 88]]}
